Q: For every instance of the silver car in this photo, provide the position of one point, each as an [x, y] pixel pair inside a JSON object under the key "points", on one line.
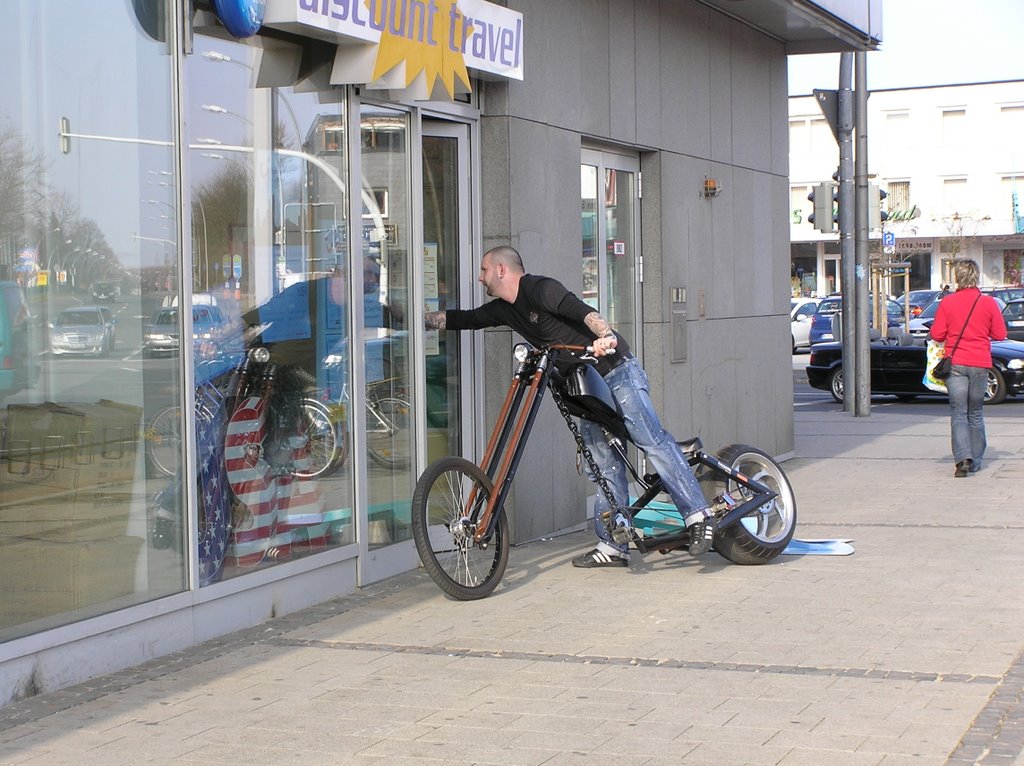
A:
{"points": [[83, 330]]}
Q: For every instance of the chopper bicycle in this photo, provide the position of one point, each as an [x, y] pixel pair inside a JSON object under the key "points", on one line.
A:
{"points": [[459, 522]]}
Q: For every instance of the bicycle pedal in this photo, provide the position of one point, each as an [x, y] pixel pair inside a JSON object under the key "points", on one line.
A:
{"points": [[622, 535]]}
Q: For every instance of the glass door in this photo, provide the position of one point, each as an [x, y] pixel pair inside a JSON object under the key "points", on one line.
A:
{"points": [[609, 194], [446, 242]]}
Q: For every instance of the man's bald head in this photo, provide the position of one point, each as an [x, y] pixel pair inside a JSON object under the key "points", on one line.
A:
{"points": [[507, 256]]}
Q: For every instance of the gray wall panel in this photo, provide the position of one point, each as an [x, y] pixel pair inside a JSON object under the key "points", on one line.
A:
{"points": [[649, 97], [595, 70], [685, 82], [721, 111], [751, 99], [622, 73]]}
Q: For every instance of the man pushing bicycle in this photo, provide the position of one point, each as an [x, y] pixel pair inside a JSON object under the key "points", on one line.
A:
{"points": [[545, 312]]}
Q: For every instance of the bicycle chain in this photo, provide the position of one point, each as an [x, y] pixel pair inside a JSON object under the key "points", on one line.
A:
{"points": [[584, 450]]}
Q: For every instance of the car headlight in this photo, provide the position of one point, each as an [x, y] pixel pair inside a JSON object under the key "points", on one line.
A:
{"points": [[1015, 364]]}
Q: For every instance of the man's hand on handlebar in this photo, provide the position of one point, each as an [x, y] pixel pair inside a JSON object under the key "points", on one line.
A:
{"points": [[602, 346]]}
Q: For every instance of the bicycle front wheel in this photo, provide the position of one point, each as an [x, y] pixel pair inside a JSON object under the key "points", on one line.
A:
{"points": [[163, 441], [449, 498]]}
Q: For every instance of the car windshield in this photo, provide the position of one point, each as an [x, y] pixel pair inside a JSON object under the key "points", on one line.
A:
{"points": [[833, 307], [167, 317], [77, 318], [829, 307], [915, 295]]}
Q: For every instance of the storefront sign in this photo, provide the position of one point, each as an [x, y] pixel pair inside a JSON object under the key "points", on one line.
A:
{"points": [[913, 245], [437, 39]]}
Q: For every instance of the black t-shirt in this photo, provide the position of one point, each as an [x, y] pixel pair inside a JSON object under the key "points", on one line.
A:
{"points": [[544, 312]]}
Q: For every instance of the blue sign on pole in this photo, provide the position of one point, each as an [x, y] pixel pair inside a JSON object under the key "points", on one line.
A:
{"points": [[888, 239]]}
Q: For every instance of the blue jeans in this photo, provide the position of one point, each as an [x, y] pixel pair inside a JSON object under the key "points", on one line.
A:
{"points": [[966, 386], [628, 383]]}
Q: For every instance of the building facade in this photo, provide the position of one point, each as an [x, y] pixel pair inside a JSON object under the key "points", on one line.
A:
{"points": [[219, 231], [947, 157]]}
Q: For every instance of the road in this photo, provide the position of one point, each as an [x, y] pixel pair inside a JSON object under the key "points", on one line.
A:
{"points": [[807, 399]]}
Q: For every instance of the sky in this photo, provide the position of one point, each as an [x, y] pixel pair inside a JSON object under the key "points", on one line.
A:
{"points": [[930, 42]]}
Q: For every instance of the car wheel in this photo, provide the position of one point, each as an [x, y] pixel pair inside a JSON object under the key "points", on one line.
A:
{"points": [[995, 391], [793, 339], [836, 385]]}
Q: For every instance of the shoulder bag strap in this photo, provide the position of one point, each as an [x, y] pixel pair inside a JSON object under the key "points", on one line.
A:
{"points": [[961, 335]]}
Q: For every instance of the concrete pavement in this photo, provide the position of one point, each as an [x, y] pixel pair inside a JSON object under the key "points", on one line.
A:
{"points": [[907, 652]]}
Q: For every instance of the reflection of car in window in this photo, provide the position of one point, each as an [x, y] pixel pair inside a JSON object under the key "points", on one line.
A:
{"points": [[161, 334], [85, 330], [107, 290]]}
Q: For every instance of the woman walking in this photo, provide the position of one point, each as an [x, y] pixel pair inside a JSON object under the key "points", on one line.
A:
{"points": [[968, 322]]}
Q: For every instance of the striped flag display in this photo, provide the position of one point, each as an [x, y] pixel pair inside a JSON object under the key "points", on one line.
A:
{"points": [[214, 498], [280, 510]]}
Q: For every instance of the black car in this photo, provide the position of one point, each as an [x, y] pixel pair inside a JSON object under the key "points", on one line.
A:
{"points": [[1013, 315], [897, 367]]}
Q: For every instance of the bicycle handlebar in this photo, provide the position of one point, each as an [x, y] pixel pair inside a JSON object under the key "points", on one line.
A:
{"points": [[572, 348]]}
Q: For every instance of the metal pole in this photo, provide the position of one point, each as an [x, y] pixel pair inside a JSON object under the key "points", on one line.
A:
{"points": [[844, 134], [862, 348]]}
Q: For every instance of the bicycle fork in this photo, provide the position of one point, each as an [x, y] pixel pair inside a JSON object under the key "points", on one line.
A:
{"points": [[507, 443]]}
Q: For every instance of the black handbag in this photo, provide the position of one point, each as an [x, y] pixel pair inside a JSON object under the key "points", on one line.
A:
{"points": [[944, 368]]}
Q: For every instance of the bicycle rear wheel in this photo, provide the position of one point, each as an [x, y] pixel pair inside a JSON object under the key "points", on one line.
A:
{"points": [[763, 534], [387, 432], [443, 522]]}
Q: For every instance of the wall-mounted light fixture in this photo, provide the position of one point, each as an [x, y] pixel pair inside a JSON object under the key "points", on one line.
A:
{"points": [[712, 188]]}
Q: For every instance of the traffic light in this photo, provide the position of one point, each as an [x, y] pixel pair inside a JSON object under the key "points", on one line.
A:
{"points": [[826, 212], [876, 216]]}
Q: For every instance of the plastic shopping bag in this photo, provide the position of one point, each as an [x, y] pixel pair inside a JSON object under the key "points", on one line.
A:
{"points": [[935, 352]]}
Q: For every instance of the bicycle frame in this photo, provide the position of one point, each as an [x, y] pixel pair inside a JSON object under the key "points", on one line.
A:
{"points": [[511, 433]]}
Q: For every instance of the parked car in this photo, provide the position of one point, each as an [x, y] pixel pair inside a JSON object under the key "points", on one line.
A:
{"points": [[919, 300], [83, 330], [921, 327], [897, 368], [1005, 294], [1013, 315], [821, 322], [19, 368], [800, 312]]}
